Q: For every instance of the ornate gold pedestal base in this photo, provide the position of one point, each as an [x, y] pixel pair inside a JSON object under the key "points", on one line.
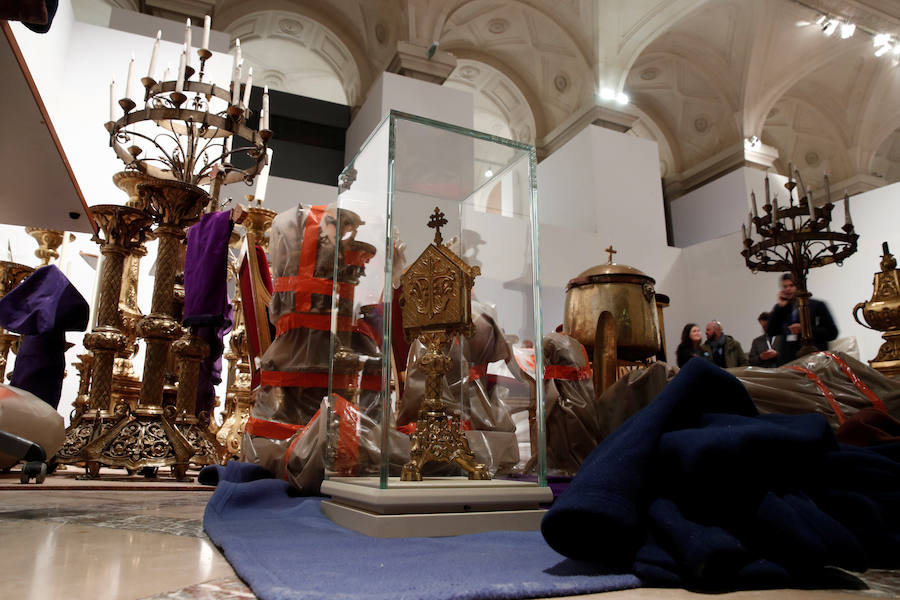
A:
{"points": [[207, 451], [231, 434], [84, 428], [143, 438], [437, 439], [887, 361]]}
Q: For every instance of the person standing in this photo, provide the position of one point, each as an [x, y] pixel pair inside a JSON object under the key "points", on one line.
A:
{"points": [[691, 345], [785, 320], [764, 349], [724, 349]]}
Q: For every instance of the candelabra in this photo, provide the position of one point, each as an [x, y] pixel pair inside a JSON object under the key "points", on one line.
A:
{"points": [[179, 140], [239, 397], [796, 238]]}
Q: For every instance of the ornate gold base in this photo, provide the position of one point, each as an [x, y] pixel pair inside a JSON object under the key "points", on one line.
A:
{"points": [[81, 431], [437, 439], [231, 434], [207, 451], [143, 438]]}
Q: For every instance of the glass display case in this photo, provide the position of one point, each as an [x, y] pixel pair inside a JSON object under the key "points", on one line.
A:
{"points": [[434, 219]]}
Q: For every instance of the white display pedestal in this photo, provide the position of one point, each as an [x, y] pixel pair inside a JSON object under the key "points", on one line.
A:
{"points": [[438, 506]]}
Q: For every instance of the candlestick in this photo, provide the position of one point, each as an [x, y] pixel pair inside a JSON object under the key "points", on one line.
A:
{"points": [[790, 172], [265, 108], [263, 180], [227, 149], [151, 72], [774, 209], [749, 223], [812, 208], [182, 65], [753, 203], [187, 36], [207, 21], [767, 189], [129, 81], [167, 72], [827, 189], [744, 233], [245, 103], [847, 219], [112, 100]]}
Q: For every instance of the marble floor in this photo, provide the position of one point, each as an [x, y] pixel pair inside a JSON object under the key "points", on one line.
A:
{"points": [[149, 544]]}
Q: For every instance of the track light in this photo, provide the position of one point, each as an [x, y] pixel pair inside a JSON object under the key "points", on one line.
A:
{"points": [[847, 30], [881, 39], [830, 27]]}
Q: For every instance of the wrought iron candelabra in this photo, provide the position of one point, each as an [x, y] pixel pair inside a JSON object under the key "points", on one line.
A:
{"points": [[795, 238]]}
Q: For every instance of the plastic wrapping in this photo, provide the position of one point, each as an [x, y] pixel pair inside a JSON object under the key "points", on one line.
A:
{"points": [[833, 384], [286, 431]]}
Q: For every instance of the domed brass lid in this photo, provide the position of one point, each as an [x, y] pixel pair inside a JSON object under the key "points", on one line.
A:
{"points": [[609, 273]]}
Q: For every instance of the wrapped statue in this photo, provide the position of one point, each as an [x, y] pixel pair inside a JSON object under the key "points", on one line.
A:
{"points": [[284, 433]]}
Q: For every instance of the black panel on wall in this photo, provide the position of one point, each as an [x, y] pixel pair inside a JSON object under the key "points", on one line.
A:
{"points": [[308, 136]]}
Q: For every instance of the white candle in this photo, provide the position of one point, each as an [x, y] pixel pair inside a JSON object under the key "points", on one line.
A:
{"points": [[151, 72], [767, 189], [236, 86], [235, 75], [749, 223], [247, 85], [227, 149], [753, 203], [168, 72], [129, 81], [182, 65], [774, 209], [827, 189], [112, 100], [847, 219], [744, 233], [812, 207], [265, 108], [263, 179], [187, 35], [206, 24]]}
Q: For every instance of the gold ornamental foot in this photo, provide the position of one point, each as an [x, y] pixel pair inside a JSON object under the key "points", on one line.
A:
{"points": [[437, 439]]}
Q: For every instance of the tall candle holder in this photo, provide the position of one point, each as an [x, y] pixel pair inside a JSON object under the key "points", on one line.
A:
{"points": [[122, 227], [180, 139], [239, 397], [796, 238]]}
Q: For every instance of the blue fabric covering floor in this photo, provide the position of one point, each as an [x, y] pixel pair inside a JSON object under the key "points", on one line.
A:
{"points": [[283, 547]]}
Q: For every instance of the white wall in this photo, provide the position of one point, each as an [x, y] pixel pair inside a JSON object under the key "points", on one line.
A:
{"points": [[396, 92]]}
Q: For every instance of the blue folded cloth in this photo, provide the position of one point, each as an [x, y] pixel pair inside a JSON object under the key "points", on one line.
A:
{"points": [[699, 490]]}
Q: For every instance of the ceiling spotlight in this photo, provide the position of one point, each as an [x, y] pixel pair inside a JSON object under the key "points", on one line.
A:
{"points": [[488, 173], [821, 20], [897, 49], [830, 27], [847, 30], [622, 98], [607, 94], [881, 39], [882, 50]]}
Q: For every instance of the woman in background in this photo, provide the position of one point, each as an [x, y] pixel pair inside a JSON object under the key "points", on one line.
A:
{"points": [[690, 345]]}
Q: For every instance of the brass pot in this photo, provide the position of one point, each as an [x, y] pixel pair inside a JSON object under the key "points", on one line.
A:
{"points": [[628, 294]]}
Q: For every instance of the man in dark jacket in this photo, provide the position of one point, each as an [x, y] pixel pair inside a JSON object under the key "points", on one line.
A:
{"points": [[764, 349], [724, 349], [785, 320]]}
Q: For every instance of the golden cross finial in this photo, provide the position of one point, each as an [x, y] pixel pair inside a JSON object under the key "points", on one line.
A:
{"points": [[610, 251], [436, 221]]}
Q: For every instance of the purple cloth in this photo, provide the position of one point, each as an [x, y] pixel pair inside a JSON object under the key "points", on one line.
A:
{"points": [[43, 308], [206, 304], [206, 270]]}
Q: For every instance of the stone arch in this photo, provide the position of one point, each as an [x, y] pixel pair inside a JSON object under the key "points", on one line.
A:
{"points": [[500, 107], [328, 37]]}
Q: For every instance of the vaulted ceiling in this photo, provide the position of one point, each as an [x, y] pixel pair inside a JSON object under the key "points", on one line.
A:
{"points": [[703, 76]]}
